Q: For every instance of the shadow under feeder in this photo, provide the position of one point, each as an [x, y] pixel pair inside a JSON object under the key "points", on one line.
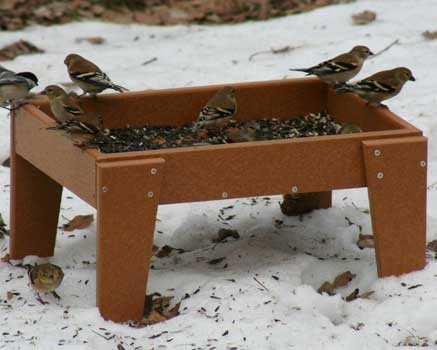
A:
{"points": [[126, 188]]}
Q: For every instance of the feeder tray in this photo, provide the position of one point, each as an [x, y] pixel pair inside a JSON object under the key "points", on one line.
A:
{"points": [[389, 157]]}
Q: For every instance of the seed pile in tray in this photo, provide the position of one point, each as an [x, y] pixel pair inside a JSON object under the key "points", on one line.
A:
{"points": [[159, 137]]}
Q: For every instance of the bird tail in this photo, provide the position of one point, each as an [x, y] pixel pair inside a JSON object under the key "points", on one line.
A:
{"points": [[119, 88], [344, 88], [305, 70]]}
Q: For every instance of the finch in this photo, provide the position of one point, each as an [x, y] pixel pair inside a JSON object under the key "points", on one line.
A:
{"points": [[341, 68], [46, 278], [219, 109], [64, 107], [88, 76], [380, 86]]}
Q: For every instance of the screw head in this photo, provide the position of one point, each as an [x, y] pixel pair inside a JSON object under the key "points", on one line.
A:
{"points": [[225, 195], [377, 152], [150, 194], [294, 189], [380, 175], [105, 189], [153, 171], [422, 163]]}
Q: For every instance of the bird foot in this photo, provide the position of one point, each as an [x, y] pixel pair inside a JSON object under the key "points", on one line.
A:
{"points": [[38, 297]]}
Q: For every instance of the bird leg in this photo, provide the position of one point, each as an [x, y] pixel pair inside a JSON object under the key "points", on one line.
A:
{"points": [[38, 297], [56, 295]]}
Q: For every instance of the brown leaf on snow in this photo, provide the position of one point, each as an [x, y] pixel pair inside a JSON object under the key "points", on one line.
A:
{"points": [[353, 295], [432, 246], [79, 222], [156, 310], [20, 47], [224, 233], [166, 251], [365, 241], [9, 295], [364, 17], [430, 35], [340, 281], [95, 40], [366, 295]]}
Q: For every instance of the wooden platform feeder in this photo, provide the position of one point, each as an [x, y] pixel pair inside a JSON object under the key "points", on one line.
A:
{"points": [[389, 158]]}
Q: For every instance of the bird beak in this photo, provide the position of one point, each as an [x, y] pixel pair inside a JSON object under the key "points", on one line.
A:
{"points": [[371, 53], [412, 78]]}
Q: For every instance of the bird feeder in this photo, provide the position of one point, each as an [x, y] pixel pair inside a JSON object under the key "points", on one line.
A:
{"points": [[388, 157]]}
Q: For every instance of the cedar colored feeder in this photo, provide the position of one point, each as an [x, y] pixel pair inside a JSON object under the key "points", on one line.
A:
{"points": [[389, 158]]}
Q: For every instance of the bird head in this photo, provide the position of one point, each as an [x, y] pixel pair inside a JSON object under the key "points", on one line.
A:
{"points": [[71, 59], [362, 51], [229, 91], [53, 91], [30, 77], [404, 74], [49, 273]]}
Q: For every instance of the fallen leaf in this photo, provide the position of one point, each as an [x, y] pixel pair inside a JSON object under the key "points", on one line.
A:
{"points": [[18, 48], [9, 295], [366, 241], [364, 17], [430, 35], [326, 287], [164, 251], [224, 233], [216, 261], [161, 303], [353, 295], [79, 222], [366, 295], [95, 40], [343, 279], [154, 317], [432, 246], [173, 312]]}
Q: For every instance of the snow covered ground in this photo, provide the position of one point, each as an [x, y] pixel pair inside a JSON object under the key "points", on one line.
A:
{"points": [[287, 260]]}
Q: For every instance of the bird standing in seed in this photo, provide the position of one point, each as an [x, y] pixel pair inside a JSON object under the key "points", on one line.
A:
{"points": [[88, 76], [15, 87], [380, 86], [219, 109], [45, 278], [341, 68]]}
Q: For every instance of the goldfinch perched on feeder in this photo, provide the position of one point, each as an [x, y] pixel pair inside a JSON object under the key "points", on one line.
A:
{"points": [[380, 86], [219, 109], [88, 76], [341, 68], [15, 86], [64, 107], [45, 278]]}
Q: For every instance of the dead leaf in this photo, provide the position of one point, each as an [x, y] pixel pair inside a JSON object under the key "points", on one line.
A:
{"points": [[224, 233], [166, 251], [154, 317], [156, 310], [9, 295], [173, 312], [353, 295], [432, 246], [366, 241], [95, 40], [364, 17], [326, 287], [343, 279], [18, 48], [79, 222], [161, 303], [366, 295], [216, 261], [430, 35]]}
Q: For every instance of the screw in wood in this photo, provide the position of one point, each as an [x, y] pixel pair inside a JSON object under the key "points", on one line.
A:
{"points": [[150, 194], [294, 189], [422, 163], [225, 195], [105, 189], [380, 175], [377, 152], [153, 171]]}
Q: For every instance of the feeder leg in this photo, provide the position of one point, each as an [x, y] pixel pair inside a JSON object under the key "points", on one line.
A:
{"points": [[396, 180], [127, 201], [325, 199], [34, 210]]}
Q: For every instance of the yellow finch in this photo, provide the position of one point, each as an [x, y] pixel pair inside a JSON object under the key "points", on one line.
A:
{"points": [[64, 107], [88, 76], [380, 86], [45, 278], [219, 109], [15, 86], [350, 128], [341, 68]]}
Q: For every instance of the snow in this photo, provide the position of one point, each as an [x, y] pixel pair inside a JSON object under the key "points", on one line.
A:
{"points": [[288, 312]]}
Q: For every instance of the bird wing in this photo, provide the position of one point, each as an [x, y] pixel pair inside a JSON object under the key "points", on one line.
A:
{"points": [[72, 108], [95, 78], [371, 85], [213, 113], [78, 126], [8, 78]]}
